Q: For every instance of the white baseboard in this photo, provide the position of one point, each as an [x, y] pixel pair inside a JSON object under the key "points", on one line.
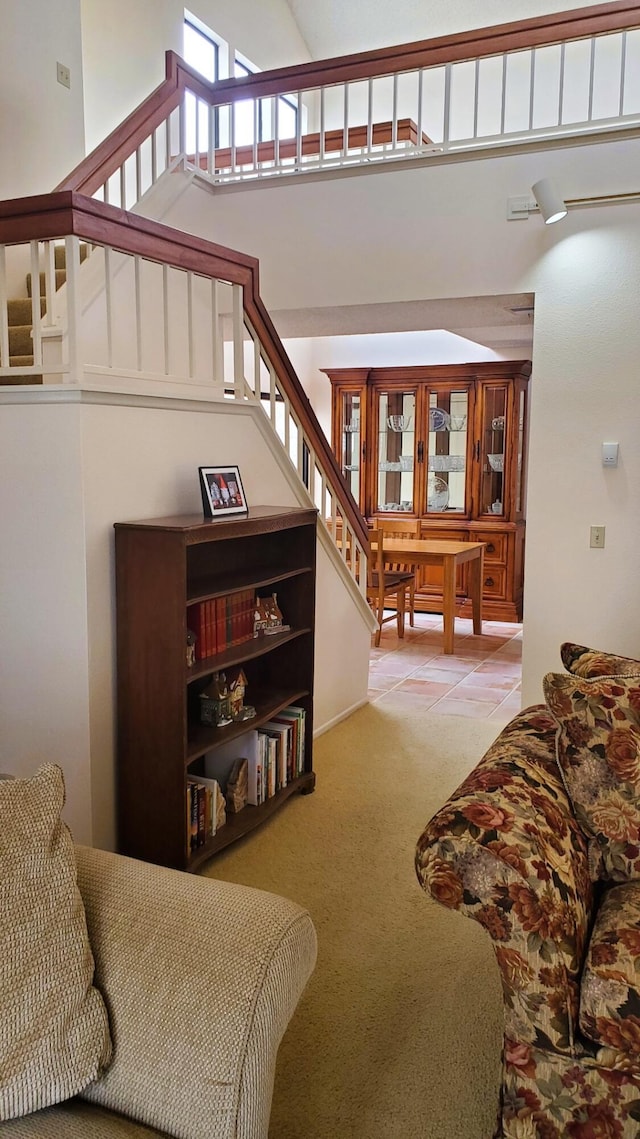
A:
{"points": [[341, 716]]}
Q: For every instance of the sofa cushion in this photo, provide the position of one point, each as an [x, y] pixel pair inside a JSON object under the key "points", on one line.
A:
{"points": [[588, 663], [610, 987], [54, 1033], [598, 752]]}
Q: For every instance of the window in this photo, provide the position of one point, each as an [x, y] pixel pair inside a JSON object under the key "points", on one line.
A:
{"points": [[254, 120], [201, 50]]}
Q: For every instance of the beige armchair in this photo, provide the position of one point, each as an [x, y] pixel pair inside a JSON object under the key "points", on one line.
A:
{"points": [[200, 979]]}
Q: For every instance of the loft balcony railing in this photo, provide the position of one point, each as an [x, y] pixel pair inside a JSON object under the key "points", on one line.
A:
{"points": [[128, 304], [540, 81]]}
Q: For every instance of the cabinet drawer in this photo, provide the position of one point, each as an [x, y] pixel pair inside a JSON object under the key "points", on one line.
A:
{"points": [[496, 547], [494, 581]]}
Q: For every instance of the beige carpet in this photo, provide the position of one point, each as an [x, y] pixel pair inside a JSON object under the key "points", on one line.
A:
{"points": [[398, 1033]]}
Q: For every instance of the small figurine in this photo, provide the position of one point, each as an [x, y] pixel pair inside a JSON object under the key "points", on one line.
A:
{"points": [[237, 689], [191, 649], [260, 617], [274, 616], [215, 702]]}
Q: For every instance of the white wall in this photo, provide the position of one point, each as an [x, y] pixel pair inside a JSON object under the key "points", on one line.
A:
{"points": [[335, 28], [41, 122], [375, 350], [72, 466], [124, 44], [441, 231]]}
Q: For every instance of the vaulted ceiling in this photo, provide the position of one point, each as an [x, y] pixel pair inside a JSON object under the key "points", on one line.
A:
{"points": [[340, 27]]}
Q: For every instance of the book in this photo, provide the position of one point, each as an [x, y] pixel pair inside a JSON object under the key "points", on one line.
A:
{"points": [[281, 733], [296, 716]]}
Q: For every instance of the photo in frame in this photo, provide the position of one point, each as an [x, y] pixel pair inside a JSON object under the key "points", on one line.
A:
{"points": [[222, 492]]}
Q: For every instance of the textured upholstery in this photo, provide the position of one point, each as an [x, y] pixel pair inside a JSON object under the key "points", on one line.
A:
{"points": [[581, 661], [200, 979], [54, 1034], [506, 850], [610, 988], [598, 750]]}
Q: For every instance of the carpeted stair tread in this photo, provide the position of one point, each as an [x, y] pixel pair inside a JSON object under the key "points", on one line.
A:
{"points": [[20, 311], [20, 319], [19, 380], [20, 339], [61, 276]]}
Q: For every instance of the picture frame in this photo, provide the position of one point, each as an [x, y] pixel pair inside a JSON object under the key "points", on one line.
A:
{"points": [[222, 491]]}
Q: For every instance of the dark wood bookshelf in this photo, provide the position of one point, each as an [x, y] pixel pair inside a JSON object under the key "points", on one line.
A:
{"points": [[162, 567]]}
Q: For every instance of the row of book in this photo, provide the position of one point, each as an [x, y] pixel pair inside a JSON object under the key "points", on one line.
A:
{"points": [[206, 810], [222, 622], [274, 755]]}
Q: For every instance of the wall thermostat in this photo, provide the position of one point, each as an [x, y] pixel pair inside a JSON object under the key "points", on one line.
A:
{"points": [[609, 454]]}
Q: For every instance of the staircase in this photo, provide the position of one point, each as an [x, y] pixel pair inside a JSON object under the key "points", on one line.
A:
{"points": [[20, 320]]}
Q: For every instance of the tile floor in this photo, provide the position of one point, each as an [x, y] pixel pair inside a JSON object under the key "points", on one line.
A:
{"points": [[481, 679]]}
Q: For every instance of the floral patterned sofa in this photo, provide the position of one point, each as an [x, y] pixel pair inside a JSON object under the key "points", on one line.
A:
{"points": [[541, 845]]}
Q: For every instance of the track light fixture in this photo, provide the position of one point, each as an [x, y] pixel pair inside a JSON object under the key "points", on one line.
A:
{"points": [[552, 207], [550, 203]]}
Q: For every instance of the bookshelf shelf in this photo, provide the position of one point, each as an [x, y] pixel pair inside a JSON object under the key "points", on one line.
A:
{"points": [[248, 650], [164, 566]]}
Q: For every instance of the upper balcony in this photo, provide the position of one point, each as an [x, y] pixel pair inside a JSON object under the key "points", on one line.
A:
{"points": [[566, 77]]}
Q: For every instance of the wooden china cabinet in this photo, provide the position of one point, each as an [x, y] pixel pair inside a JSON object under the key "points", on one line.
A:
{"points": [[445, 444]]}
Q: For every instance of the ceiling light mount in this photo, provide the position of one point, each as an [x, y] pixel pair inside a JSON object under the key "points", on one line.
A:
{"points": [[547, 201]]}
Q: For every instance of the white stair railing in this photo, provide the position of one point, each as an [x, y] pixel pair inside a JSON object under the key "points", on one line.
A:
{"points": [[584, 85], [124, 320]]}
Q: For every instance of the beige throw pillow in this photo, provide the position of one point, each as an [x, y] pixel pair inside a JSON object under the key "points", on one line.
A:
{"points": [[54, 1031]]}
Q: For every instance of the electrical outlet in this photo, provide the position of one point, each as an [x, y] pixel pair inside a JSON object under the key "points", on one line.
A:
{"points": [[597, 538], [63, 75]]}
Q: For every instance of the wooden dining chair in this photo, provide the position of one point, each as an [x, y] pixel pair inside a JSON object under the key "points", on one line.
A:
{"points": [[385, 586], [403, 528]]}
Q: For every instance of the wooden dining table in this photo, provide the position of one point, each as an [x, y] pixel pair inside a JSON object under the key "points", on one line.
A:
{"points": [[449, 555]]}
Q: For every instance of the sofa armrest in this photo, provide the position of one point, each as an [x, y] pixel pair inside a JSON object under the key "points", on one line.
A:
{"points": [[200, 979], [507, 851]]}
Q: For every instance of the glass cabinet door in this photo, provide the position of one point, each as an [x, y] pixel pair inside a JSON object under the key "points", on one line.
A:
{"points": [[448, 416], [396, 450], [351, 440], [492, 450]]}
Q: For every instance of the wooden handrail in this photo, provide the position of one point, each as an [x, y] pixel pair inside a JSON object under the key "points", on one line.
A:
{"points": [[518, 35], [46, 217], [537, 31]]}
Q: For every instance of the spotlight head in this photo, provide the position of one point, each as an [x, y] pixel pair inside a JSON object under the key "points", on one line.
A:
{"points": [[549, 202]]}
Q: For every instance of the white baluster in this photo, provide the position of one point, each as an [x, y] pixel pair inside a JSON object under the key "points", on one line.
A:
{"points": [[166, 317], [370, 116], [238, 342], [446, 110], [212, 131], [72, 263], [561, 83], [623, 71], [190, 332], [35, 302], [136, 272], [108, 292], [323, 150], [592, 68], [217, 342], [299, 131], [49, 283], [4, 311]]}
